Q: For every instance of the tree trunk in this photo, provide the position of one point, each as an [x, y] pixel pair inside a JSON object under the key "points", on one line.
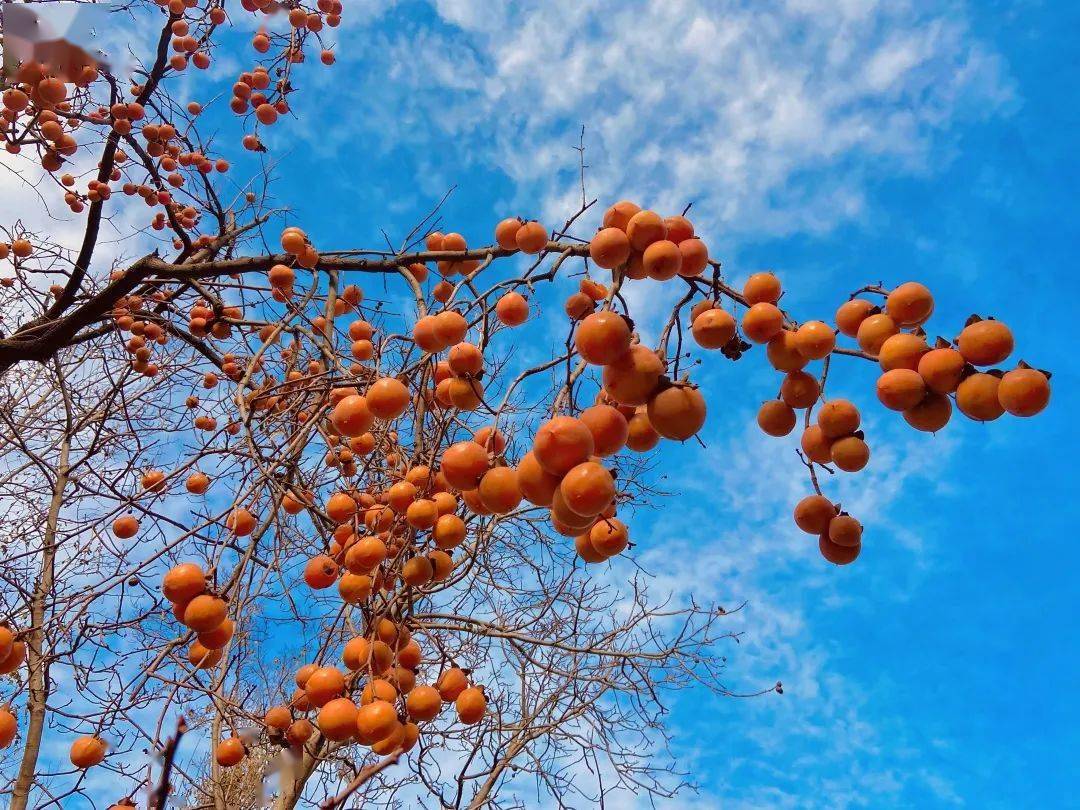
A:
{"points": [[36, 654]]}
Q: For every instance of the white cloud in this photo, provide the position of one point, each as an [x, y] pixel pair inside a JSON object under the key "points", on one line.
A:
{"points": [[768, 116]]}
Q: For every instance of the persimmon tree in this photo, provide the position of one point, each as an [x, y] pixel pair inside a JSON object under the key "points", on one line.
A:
{"points": [[272, 537]]}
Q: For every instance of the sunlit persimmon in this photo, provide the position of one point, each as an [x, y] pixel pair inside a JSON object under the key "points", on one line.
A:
{"points": [[512, 309], [815, 340], [762, 288], [714, 328], [850, 453], [633, 377], [813, 514], [977, 397], [903, 350], [531, 237], [609, 248], [909, 304], [838, 417], [677, 412], [221, 635], [644, 228], [183, 582], [900, 389], [851, 314], [930, 415], [204, 613], [86, 752], [608, 427], [602, 337], [471, 705], [424, 703], [985, 343], [451, 683], [941, 369], [762, 322], [619, 214], [783, 353], [641, 436], [387, 398], [776, 418], [464, 464], [561, 444], [1024, 391], [799, 389]]}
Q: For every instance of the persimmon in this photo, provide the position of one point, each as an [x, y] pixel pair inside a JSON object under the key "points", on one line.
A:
{"points": [[609, 248], [450, 530], [491, 439], [531, 237], [357, 654], [662, 260], [337, 719], [632, 378], [303, 673], [561, 444], [815, 340], [340, 507], [422, 513], [930, 415], [910, 304], [451, 683], [506, 233], [874, 331], [584, 548], [512, 309], [442, 565], [499, 490], [844, 530], [783, 354], [537, 485], [902, 350], [641, 436], [619, 214], [464, 464], [608, 427], [181, 583], [153, 481], [125, 527], [240, 522], [851, 314], [471, 705], [837, 554], [14, 658], [87, 751], [365, 554], [799, 389], [850, 453], [609, 536], [7, 641], [465, 358], [400, 495], [587, 488], [985, 343], [202, 657], [277, 717], [299, 732], [320, 572], [204, 613], [423, 703], [838, 417], [375, 721], [602, 337], [424, 335], [776, 417], [941, 369], [762, 322], [387, 398], [221, 635], [677, 412], [813, 514], [229, 752], [762, 288], [465, 394], [1024, 391], [417, 571], [323, 685], [900, 389], [644, 228], [713, 329], [197, 483], [694, 257], [9, 727], [977, 397]]}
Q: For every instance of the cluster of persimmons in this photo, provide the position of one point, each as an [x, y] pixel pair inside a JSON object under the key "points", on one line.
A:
{"points": [[398, 513]]}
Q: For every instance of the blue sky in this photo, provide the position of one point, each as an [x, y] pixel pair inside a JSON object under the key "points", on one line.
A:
{"points": [[839, 143]]}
